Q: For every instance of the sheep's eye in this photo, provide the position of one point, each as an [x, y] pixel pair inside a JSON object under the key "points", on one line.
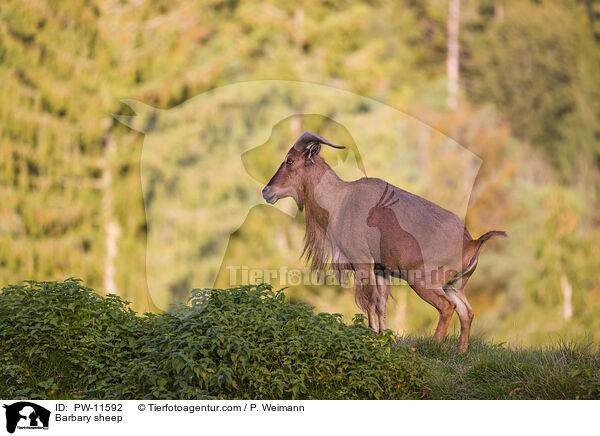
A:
{"points": [[289, 161]]}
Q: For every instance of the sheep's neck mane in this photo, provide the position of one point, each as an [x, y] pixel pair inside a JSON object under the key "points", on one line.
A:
{"points": [[320, 190]]}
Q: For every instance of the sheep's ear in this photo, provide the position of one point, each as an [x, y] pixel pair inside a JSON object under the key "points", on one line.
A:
{"points": [[312, 151]]}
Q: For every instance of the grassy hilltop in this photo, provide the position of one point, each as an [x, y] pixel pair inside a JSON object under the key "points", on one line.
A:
{"points": [[85, 195], [64, 341]]}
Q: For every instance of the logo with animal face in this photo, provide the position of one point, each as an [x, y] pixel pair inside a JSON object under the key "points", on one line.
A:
{"points": [[26, 415], [204, 164]]}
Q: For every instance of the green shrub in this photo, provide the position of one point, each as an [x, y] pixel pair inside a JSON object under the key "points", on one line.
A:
{"points": [[61, 340]]}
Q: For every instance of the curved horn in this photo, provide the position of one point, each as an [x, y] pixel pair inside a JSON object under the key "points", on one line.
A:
{"points": [[308, 138]]}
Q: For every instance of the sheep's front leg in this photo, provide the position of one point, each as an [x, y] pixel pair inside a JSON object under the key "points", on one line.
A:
{"points": [[383, 292], [366, 293]]}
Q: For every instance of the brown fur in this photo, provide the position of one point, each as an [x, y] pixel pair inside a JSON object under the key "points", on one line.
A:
{"points": [[378, 230]]}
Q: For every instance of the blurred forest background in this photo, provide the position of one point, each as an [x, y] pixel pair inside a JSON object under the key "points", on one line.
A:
{"points": [[514, 82]]}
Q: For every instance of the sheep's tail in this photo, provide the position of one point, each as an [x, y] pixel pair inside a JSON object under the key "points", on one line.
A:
{"points": [[483, 239], [492, 233], [473, 262]]}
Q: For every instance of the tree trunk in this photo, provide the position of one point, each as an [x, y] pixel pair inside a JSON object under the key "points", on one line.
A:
{"points": [[452, 58], [567, 292], [111, 226], [498, 11]]}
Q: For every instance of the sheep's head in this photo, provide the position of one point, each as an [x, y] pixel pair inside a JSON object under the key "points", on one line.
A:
{"points": [[289, 178]]}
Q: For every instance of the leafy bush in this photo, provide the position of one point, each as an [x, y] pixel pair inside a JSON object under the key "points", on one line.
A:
{"points": [[61, 340]]}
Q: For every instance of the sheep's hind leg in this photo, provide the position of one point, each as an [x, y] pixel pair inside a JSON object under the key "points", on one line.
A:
{"points": [[465, 314], [456, 292], [444, 305]]}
